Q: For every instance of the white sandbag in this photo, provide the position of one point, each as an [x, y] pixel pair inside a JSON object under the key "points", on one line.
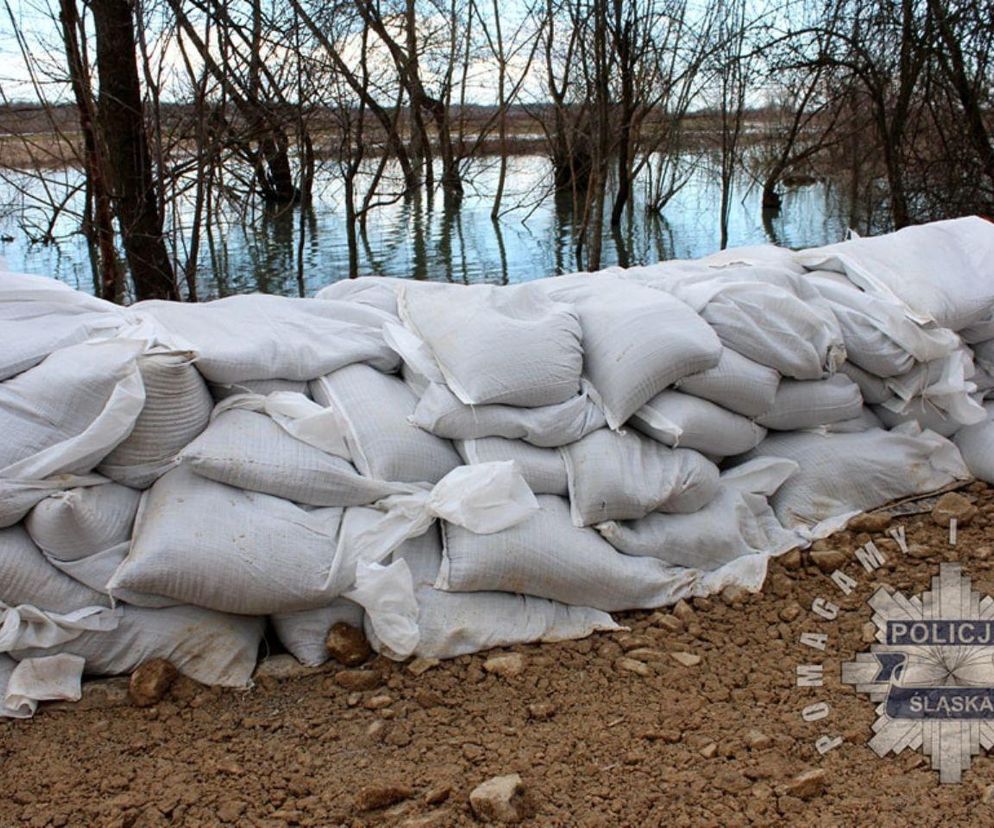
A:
{"points": [[547, 556], [800, 405], [304, 633], [538, 341], [976, 443], [263, 387], [922, 412], [624, 476], [66, 414], [879, 336], [61, 418], [249, 450], [256, 336], [940, 272], [636, 340], [204, 543], [384, 444], [944, 384], [79, 522], [376, 291], [542, 468], [736, 383], [454, 623], [676, 419], [770, 325], [872, 389], [866, 420], [49, 678], [440, 412], [209, 647], [97, 569], [26, 626], [484, 498], [754, 255], [177, 408], [39, 316], [27, 578], [23, 710], [841, 475], [738, 522]]}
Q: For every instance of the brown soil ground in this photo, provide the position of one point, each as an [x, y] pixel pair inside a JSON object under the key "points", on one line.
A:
{"points": [[614, 748]]}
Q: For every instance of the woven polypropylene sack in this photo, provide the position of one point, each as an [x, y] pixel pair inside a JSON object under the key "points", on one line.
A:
{"points": [[211, 545], [543, 469], [209, 647], [976, 443], [249, 450], [440, 412], [736, 383], [78, 522], [260, 387], [384, 444], [940, 272], [734, 524], [625, 476], [39, 316], [27, 578], [801, 405], [304, 633], [771, 326], [549, 557], [676, 419], [63, 397], [177, 408], [452, 624], [257, 336], [843, 474], [465, 328], [636, 340]]}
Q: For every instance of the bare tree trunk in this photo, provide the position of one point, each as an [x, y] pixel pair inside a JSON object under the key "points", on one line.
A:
{"points": [[120, 116], [99, 233]]}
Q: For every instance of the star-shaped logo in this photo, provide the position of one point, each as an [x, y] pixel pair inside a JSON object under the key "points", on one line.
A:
{"points": [[932, 672]]}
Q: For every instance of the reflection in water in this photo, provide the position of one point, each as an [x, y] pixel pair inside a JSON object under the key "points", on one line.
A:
{"points": [[283, 251]]}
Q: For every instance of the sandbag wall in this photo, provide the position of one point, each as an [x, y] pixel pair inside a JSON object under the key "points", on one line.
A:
{"points": [[456, 468]]}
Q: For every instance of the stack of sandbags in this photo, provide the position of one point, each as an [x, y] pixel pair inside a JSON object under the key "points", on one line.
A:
{"points": [[452, 468], [599, 353], [903, 300]]}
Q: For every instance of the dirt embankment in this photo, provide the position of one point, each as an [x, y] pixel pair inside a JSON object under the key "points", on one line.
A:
{"points": [[701, 725]]}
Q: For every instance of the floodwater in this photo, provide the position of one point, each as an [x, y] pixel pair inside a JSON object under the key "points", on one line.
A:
{"points": [[261, 250]]}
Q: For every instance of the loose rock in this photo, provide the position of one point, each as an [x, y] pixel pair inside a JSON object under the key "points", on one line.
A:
{"points": [[757, 740], [684, 612], [420, 666], [686, 659], [508, 665], [668, 622], [347, 645], [631, 665], [953, 505], [808, 784], [540, 711], [792, 560], [828, 560], [498, 799], [358, 679], [870, 522], [734, 594], [150, 682], [374, 797]]}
